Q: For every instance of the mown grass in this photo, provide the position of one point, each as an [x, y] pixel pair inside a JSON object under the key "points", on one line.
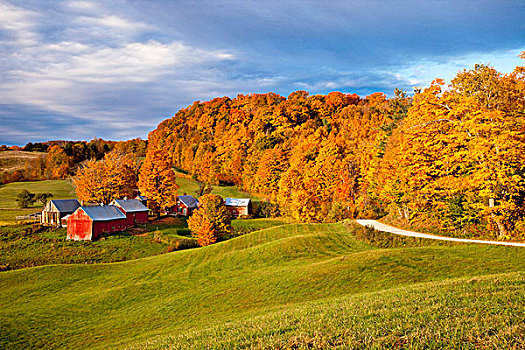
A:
{"points": [[465, 313], [20, 248], [269, 273]]}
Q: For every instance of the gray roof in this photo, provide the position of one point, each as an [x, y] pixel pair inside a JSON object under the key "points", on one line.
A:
{"points": [[104, 213], [130, 205], [189, 201], [64, 205], [237, 202]]}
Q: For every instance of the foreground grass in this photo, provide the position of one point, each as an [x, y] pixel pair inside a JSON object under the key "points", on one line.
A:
{"points": [[260, 274], [465, 313]]}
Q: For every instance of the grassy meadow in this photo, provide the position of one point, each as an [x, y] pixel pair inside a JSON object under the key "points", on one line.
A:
{"points": [[294, 286], [61, 189]]}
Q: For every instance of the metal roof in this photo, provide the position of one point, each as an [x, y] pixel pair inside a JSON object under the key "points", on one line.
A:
{"points": [[104, 213], [237, 202], [189, 201], [64, 205], [130, 205]]}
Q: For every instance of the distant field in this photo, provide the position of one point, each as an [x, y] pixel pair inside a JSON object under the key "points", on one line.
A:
{"points": [[190, 187], [61, 189], [295, 286], [16, 160]]}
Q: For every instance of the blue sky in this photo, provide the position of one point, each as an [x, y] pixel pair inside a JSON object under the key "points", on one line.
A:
{"points": [[114, 69]]}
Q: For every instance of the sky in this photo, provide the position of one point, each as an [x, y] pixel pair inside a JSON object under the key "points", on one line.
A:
{"points": [[75, 69]]}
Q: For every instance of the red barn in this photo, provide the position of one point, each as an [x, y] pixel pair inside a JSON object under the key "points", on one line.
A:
{"points": [[185, 205], [87, 223], [135, 211]]}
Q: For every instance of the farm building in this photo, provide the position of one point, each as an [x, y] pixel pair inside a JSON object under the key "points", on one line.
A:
{"points": [[56, 209], [185, 205], [135, 211], [239, 206], [143, 200], [87, 223]]}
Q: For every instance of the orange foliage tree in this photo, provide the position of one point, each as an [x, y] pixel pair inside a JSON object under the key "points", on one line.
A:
{"points": [[211, 221], [114, 177], [157, 180], [57, 163]]}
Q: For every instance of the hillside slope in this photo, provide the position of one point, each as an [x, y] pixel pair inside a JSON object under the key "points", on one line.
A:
{"points": [[96, 306]]}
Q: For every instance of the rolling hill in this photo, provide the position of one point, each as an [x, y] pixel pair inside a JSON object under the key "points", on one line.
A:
{"points": [[296, 286]]}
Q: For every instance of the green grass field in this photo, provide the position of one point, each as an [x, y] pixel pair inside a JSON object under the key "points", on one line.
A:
{"points": [[61, 189], [190, 187], [297, 286]]}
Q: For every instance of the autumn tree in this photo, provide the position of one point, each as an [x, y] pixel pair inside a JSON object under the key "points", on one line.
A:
{"points": [[114, 177], [57, 163], [211, 221], [157, 180]]}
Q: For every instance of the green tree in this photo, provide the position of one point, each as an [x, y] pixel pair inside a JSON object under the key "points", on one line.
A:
{"points": [[43, 197], [25, 198]]}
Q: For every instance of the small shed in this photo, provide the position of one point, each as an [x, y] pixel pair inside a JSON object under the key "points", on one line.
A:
{"points": [[135, 211], [186, 204], [56, 209], [87, 223], [239, 206]]}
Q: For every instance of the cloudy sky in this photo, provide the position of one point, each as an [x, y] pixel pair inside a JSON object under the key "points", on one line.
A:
{"points": [[114, 69]]}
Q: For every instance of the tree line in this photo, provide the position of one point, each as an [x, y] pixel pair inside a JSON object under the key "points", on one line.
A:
{"points": [[60, 159], [448, 156]]}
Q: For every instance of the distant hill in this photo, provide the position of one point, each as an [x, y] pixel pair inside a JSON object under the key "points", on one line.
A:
{"points": [[16, 160]]}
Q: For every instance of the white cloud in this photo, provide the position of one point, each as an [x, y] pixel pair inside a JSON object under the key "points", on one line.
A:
{"points": [[111, 21], [71, 76], [83, 6], [19, 23]]}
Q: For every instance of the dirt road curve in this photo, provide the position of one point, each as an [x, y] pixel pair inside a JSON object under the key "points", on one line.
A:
{"points": [[386, 228]]}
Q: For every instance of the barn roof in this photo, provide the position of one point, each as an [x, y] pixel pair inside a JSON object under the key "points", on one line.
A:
{"points": [[64, 205], [189, 201], [104, 213], [130, 205], [237, 202]]}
